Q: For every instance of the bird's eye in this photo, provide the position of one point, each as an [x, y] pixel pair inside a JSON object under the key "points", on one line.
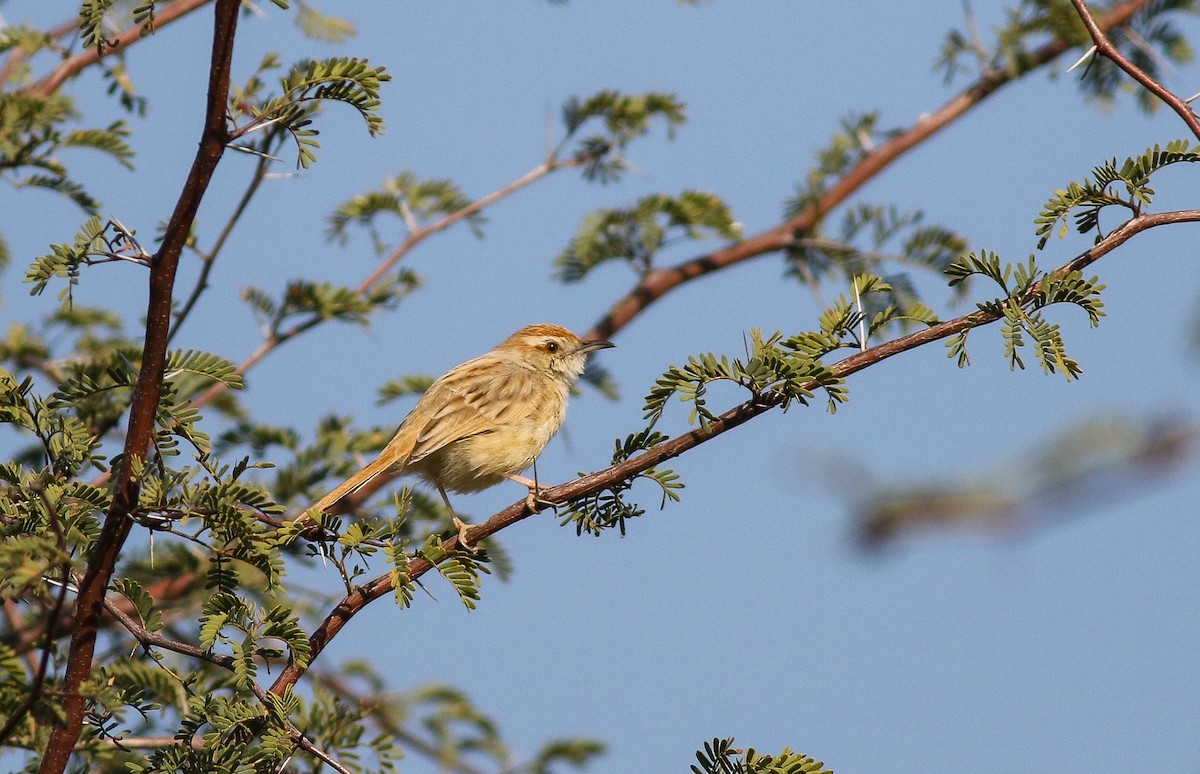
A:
{"points": [[551, 346]]}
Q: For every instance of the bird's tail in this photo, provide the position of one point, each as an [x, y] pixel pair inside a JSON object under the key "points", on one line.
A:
{"points": [[332, 502]]}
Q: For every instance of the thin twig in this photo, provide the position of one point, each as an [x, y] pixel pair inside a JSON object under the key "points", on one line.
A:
{"points": [[1106, 49], [210, 258], [17, 627], [149, 639]]}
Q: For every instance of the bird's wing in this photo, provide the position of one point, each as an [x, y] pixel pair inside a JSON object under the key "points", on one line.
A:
{"points": [[470, 400]]}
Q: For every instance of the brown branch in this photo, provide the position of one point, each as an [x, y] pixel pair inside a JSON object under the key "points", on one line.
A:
{"points": [[73, 65], [1105, 48], [21, 633], [361, 596], [117, 523], [657, 283], [149, 639], [421, 234]]}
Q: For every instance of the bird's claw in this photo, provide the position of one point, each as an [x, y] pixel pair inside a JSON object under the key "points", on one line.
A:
{"points": [[536, 503], [463, 528]]}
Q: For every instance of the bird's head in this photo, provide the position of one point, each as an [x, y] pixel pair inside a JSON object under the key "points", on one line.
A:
{"points": [[552, 350]]}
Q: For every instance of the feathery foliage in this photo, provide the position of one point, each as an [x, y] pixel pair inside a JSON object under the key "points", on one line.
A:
{"points": [[720, 757], [201, 613], [636, 234], [303, 88], [1085, 201]]}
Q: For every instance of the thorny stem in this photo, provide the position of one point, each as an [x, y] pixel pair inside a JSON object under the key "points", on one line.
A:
{"points": [[359, 597], [1105, 48]]}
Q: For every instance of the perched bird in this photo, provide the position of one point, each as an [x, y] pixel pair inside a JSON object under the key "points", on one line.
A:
{"points": [[484, 421]]}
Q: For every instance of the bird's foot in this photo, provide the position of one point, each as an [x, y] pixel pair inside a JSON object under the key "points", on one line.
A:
{"points": [[463, 528], [536, 503], [533, 500]]}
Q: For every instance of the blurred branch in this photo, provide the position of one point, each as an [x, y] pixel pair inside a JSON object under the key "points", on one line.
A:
{"points": [[365, 593], [163, 590], [658, 282], [38, 682], [72, 66], [18, 54], [378, 712], [1091, 464]]}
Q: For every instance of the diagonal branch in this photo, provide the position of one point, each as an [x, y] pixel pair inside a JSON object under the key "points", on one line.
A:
{"points": [[73, 65], [117, 523], [362, 595], [657, 283], [1105, 48]]}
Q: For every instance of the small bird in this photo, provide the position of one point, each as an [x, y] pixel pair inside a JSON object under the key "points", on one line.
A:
{"points": [[485, 420]]}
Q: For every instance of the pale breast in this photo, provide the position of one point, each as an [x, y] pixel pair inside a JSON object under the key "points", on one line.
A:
{"points": [[532, 413]]}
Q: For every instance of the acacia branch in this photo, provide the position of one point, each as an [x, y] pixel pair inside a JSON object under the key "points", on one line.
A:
{"points": [[421, 234], [1105, 48], [147, 391], [658, 282], [149, 639], [590, 484]]}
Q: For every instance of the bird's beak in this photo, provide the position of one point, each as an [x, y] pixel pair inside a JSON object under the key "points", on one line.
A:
{"points": [[593, 345]]}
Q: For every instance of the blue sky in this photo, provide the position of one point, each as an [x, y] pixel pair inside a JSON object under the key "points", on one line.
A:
{"points": [[745, 610]]}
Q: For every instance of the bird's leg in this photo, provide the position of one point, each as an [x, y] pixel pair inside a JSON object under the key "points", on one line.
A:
{"points": [[534, 498], [459, 524]]}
